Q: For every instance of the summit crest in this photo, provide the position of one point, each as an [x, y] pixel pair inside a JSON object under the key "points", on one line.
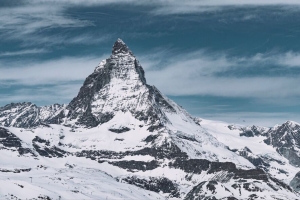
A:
{"points": [[120, 47]]}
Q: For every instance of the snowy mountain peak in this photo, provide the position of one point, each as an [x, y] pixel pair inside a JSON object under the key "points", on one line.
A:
{"points": [[117, 84], [120, 48], [291, 124]]}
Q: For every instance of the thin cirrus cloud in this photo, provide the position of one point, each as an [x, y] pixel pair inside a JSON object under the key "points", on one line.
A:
{"points": [[31, 18], [204, 6], [43, 95], [51, 72], [162, 7], [53, 40], [23, 52], [173, 2], [27, 22], [197, 74], [46, 82], [36, 15]]}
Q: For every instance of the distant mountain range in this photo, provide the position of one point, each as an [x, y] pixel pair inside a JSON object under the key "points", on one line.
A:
{"points": [[121, 138]]}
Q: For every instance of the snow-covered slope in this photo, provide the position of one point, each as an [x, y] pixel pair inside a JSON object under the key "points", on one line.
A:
{"points": [[120, 130], [254, 148]]}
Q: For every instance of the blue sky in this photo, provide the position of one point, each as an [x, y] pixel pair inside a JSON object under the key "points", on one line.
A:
{"points": [[229, 60]]}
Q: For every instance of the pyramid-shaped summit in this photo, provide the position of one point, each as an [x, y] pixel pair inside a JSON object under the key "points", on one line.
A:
{"points": [[117, 84]]}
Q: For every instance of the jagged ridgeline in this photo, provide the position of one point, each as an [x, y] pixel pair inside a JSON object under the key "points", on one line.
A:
{"points": [[121, 138]]}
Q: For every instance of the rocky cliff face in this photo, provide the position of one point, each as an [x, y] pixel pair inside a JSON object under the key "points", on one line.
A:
{"points": [[117, 84], [286, 139]]}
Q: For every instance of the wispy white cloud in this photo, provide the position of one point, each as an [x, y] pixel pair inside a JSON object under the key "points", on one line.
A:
{"points": [[287, 59], [43, 95], [196, 74], [28, 22], [174, 2], [47, 82], [23, 52], [54, 40], [52, 72], [34, 17], [165, 7], [290, 59]]}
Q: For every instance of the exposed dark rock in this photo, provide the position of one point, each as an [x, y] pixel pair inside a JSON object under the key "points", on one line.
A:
{"points": [[186, 137], [58, 119], [155, 184], [252, 131], [232, 127], [15, 170], [100, 154], [49, 151], [257, 174], [11, 141], [251, 188], [253, 196], [230, 198], [286, 140], [198, 165], [199, 191], [295, 182], [169, 151], [136, 165], [21, 186], [119, 139], [195, 166], [255, 160], [155, 127], [120, 47], [23, 151], [281, 184], [40, 140], [151, 138], [119, 130], [211, 186], [8, 139], [43, 148], [43, 197]]}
